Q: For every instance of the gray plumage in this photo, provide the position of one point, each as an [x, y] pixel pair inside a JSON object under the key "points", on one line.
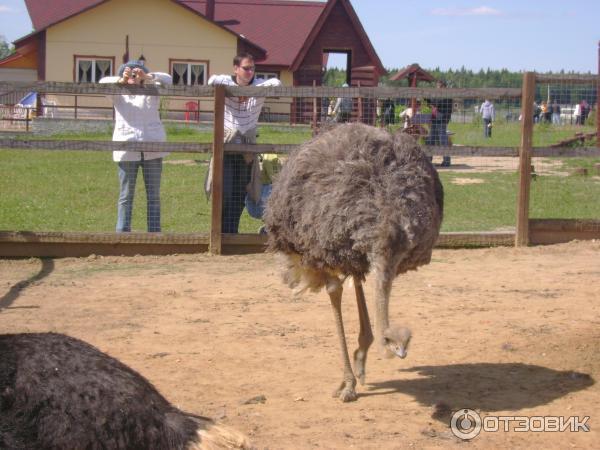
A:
{"points": [[352, 200]]}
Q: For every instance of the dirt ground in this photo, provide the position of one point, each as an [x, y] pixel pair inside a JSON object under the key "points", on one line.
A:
{"points": [[504, 331]]}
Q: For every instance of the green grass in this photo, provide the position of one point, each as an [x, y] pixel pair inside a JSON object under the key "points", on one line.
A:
{"points": [[567, 197], [487, 206], [77, 191], [508, 134]]}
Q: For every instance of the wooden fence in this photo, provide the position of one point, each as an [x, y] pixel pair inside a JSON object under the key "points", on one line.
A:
{"points": [[528, 231]]}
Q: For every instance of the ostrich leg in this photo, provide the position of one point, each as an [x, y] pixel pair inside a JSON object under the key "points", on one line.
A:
{"points": [[365, 338], [345, 392]]}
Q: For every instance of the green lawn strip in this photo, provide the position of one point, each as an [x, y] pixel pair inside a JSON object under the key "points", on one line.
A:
{"points": [[77, 191]]}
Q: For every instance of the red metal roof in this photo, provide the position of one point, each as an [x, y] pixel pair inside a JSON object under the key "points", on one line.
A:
{"points": [[44, 13], [412, 70], [280, 27]]}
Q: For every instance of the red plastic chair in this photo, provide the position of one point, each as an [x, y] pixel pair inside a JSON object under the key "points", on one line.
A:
{"points": [[191, 111]]}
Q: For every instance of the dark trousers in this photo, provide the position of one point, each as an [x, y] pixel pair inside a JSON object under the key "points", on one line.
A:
{"points": [[236, 176], [487, 130]]}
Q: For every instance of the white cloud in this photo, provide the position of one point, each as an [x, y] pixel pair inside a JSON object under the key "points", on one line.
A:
{"points": [[479, 11], [6, 9]]}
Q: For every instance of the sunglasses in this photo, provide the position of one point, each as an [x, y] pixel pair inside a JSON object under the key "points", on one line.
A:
{"points": [[248, 68]]}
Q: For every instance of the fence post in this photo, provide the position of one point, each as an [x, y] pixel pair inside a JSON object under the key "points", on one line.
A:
{"points": [[360, 107], [527, 99], [216, 225], [314, 112], [76, 107]]}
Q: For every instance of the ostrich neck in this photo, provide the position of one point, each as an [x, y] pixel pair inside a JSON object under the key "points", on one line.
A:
{"points": [[383, 285]]}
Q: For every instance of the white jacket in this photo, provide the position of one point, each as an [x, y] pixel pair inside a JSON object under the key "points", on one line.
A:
{"points": [[137, 119], [241, 114]]}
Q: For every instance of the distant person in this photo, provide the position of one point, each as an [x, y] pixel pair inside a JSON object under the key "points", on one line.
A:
{"points": [[585, 111], [342, 111], [577, 114], [536, 112], [488, 115], [555, 113], [408, 114], [546, 112], [440, 117], [388, 112], [241, 121], [137, 119]]}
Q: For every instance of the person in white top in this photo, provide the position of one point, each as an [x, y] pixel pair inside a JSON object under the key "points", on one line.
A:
{"points": [[137, 119], [577, 114], [241, 172], [488, 115]]}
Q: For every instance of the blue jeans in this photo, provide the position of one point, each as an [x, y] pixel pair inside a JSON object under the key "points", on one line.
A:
{"points": [[151, 170], [438, 135], [236, 176], [257, 210]]}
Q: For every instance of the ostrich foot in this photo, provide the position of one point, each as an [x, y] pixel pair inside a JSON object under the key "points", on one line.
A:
{"points": [[346, 392], [360, 363]]}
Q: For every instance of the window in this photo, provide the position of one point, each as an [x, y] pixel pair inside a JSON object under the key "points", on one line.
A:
{"points": [[188, 73], [92, 69], [266, 75]]}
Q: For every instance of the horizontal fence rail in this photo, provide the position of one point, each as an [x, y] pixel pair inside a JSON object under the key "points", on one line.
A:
{"points": [[193, 147], [208, 91], [80, 145]]}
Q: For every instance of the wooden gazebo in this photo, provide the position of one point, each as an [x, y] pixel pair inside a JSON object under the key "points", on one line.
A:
{"points": [[413, 73]]}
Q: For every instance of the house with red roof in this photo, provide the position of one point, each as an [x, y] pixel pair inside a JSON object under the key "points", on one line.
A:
{"points": [[84, 40]]}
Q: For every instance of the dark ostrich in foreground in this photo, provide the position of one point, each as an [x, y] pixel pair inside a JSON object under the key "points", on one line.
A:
{"points": [[57, 392], [356, 199]]}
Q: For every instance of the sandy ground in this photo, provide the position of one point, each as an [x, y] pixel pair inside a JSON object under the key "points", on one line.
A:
{"points": [[510, 332]]}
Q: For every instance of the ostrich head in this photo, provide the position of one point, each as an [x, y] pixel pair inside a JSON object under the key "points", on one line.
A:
{"points": [[396, 341]]}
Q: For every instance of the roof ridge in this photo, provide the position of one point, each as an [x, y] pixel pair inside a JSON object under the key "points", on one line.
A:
{"points": [[318, 3]]}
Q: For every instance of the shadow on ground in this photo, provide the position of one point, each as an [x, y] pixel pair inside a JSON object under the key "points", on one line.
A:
{"points": [[13, 293], [484, 387]]}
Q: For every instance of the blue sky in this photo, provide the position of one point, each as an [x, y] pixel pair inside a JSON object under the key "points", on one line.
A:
{"points": [[537, 35]]}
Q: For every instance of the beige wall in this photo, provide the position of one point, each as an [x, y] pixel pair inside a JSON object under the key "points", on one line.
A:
{"points": [[7, 74], [160, 29], [282, 105]]}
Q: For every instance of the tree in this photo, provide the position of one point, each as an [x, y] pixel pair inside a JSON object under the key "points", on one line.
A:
{"points": [[6, 49]]}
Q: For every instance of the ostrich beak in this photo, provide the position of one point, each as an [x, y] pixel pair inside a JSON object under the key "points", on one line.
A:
{"points": [[401, 352]]}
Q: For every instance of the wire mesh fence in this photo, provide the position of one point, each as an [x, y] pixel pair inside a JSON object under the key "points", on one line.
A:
{"points": [[79, 180], [566, 185]]}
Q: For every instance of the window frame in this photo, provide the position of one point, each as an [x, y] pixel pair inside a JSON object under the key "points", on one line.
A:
{"points": [[190, 62], [266, 72], [93, 58]]}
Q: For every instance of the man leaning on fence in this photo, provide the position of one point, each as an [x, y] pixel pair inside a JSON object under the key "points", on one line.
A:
{"points": [[137, 119], [241, 171]]}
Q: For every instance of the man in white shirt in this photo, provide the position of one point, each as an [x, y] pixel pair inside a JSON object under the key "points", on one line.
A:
{"points": [[137, 119], [241, 119]]}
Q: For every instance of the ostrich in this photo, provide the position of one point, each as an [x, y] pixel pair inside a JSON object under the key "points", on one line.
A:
{"points": [[61, 393], [352, 200]]}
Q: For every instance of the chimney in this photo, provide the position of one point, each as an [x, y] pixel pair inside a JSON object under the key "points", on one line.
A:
{"points": [[210, 9]]}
